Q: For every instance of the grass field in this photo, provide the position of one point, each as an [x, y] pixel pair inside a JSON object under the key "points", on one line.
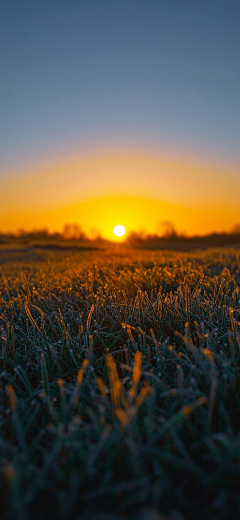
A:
{"points": [[120, 385]]}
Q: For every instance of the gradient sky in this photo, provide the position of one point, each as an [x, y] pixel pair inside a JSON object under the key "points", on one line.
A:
{"points": [[134, 99]]}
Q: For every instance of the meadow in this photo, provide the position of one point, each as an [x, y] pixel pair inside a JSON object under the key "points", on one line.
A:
{"points": [[120, 384]]}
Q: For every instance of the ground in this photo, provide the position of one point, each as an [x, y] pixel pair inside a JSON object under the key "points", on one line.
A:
{"points": [[119, 384]]}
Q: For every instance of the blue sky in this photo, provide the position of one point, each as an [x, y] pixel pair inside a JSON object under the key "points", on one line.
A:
{"points": [[75, 73]]}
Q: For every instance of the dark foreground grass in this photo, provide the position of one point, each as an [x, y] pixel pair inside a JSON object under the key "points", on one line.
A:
{"points": [[148, 428]]}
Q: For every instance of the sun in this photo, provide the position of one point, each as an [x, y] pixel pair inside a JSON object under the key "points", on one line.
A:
{"points": [[119, 230]]}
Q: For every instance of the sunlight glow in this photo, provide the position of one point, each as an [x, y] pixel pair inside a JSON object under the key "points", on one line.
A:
{"points": [[145, 190], [119, 231]]}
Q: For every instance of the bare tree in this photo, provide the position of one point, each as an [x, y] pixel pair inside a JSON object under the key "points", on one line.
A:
{"points": [[236, 229], [168, 229], [73, 232]]}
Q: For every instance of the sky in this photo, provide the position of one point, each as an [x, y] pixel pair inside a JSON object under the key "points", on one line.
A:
{"points": [[120, 112]]}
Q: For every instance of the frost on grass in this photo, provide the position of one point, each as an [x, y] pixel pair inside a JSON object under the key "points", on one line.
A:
{"points": [[120, 385]]}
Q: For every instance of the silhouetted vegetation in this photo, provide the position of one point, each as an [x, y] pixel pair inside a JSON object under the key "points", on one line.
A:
{"points": [[168, 239], [71, 233], [182, 243]]}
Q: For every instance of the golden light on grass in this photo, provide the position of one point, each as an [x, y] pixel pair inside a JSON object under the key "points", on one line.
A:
{"points": [[119, 230], [125, 405]]}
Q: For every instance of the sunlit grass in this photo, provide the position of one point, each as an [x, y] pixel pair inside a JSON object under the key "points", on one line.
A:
{"points": [[120, 385]]}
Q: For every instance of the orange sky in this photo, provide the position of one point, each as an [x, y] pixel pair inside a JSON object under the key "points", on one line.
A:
{"points": [[133, 188]]}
